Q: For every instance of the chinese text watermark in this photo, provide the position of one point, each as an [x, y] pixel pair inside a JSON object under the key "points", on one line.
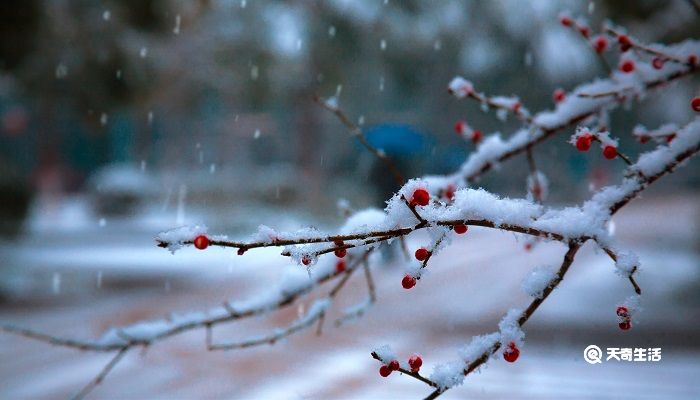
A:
{"points": [[594, 354]]}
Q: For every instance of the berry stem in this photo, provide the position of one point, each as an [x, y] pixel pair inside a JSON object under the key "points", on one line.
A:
{"points": [[415, 375]]}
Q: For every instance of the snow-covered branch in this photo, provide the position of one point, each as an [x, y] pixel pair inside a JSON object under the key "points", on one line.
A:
{"points": [[444, 206]]}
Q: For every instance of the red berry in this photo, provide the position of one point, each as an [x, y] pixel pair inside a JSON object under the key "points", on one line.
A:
{"points": [[528, 246], [693, 60], [422, 254], [625, 325], [408, 282], [421, 197], [450, 192], [566, 21], [340, 266], [585, 31], [625, 42], [460, 127], [657, 63], [460, 229], [306, 260], [610, 152], [559, 95], [695, 104], [627, 66], [201, 242], [415, 362], [511, 353], [600, 44], [643, 139], [516, 106], [537, 191], [583, 142], [338, 242], [476, 136], [340, 253], [670, 138], [384, 371], [622, 311], [394, 365]]}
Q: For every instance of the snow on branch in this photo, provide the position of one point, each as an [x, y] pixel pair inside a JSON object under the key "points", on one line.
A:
{"points": [[443, 206]]}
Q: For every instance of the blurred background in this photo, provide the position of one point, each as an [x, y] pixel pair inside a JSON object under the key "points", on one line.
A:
{"points": [[119, 119]]}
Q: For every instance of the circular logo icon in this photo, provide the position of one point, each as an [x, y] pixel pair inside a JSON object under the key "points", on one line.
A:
{"points": [[592, 354]]}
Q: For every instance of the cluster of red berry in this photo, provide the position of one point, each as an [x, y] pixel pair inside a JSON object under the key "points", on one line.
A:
{"points": [[475, 135], [583, 29], [415, 362], [340, 252], [600, 45], [626, 65], [624, 317], [583, 143]]}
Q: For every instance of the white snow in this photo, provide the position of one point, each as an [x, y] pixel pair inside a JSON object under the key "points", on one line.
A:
{"points": [[626, 262], [538, 280]]}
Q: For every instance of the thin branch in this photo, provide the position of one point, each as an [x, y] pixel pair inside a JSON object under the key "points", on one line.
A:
{"points": [[56, 341], [101, 376], [357, 133], [296, 326], [630, 276], [574, 246], [370, 282], [636, 287], [648, 180], [537, 185], [412, 207], [519, 111], [361, 308], [380, 235], [286, 299]]}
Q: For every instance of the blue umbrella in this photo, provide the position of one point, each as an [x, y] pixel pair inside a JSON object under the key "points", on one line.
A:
{"points": [[397, 140]]}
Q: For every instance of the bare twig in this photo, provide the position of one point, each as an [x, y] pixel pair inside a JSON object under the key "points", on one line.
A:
{"points": [[102, 375], [361, 308], [357, 133], [313, 315]]}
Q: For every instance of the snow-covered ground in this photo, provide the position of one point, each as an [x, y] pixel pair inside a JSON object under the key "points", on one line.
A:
{"points": [[470, 286]]}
